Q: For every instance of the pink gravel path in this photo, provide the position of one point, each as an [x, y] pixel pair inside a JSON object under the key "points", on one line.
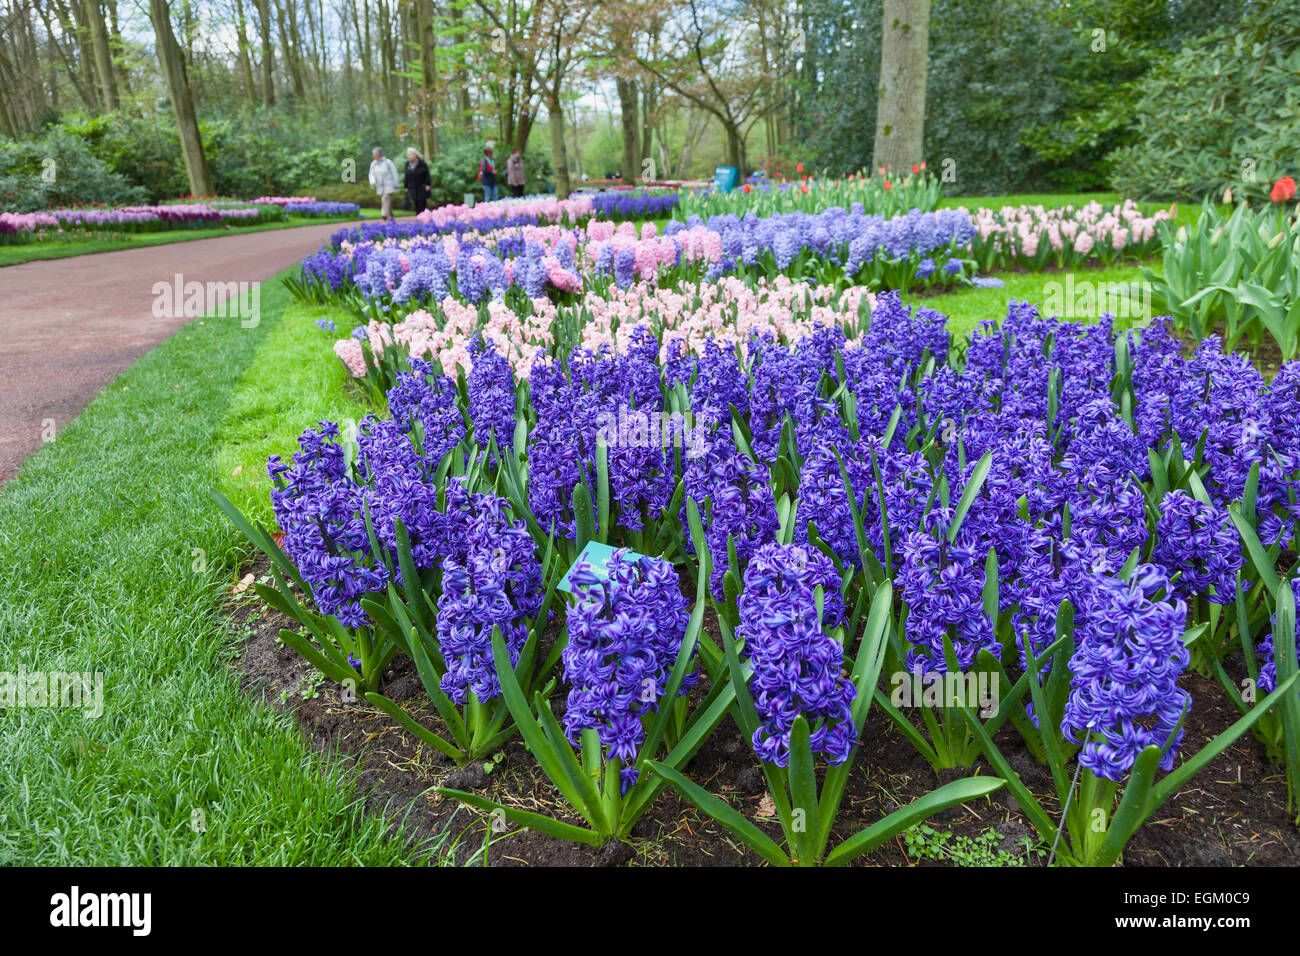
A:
{"points": [[70, 326]]}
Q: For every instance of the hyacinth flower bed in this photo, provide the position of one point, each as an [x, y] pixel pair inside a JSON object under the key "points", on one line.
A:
{"points": [[392, 274], [1034, 238], [622, 205], [883, 194], [1093, 528], [686, 318]]}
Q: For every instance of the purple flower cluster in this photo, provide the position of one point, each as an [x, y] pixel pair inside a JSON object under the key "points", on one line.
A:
{"points": [[942, 584], [625, 632], [423, 402], [318, 507], [797, 663], [1124, 693], [630, 205], [495, 582], [1196, 542], [491, 386]]}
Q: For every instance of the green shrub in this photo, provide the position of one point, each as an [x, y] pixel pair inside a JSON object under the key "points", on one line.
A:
{"points": [[1225, 112], [59, 169]]}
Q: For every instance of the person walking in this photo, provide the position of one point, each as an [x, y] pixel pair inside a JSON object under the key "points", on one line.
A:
{"points": [[383, 177], [416, 181], [515, 177], [487, 175]]}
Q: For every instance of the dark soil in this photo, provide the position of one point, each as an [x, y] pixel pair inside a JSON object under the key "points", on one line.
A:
{"points": [[1232, 813]]}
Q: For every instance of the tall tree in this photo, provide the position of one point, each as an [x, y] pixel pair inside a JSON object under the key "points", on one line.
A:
{"points": [[178, 87], [900, 112], [103, 58], [268, 52]]}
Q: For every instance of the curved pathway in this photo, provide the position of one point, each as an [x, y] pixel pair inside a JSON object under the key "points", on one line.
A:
{"points": [[70, 326]]}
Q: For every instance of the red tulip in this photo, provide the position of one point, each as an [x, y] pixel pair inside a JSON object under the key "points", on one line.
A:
{"points": [[1283, 189], [804, 187], [746, 187], [799, 168], [915, 169], [888, 185], [923, 164]]}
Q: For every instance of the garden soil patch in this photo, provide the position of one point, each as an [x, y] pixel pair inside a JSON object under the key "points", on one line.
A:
{"points": [[1232, 813]]}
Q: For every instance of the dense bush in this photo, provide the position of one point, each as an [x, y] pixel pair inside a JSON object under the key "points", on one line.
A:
{"points": [[1224, 113], [58, 169]]}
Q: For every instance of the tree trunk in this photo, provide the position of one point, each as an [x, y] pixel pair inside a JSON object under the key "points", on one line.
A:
{"points": [[178, 86], [461, 79], [428, 79], [291, 48], [103, 57], [900, 112], [559, 155], [268, 54], [245, 57], [647, 128], [627, 100]]}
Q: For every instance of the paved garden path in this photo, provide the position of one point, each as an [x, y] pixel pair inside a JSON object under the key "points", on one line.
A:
{"points": [[70, 326]]}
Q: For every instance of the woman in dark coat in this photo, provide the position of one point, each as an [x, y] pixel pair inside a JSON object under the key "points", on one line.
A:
{"points": [[416, 181]]}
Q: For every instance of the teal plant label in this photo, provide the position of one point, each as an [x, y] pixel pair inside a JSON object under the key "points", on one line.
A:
{"points": [[596, 554]]}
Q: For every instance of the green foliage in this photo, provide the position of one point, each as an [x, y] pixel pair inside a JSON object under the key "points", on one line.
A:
{"points": [[359, 192], [1236, 274], [58, 168], [1225, 112], [925, 843], [454, 171]]}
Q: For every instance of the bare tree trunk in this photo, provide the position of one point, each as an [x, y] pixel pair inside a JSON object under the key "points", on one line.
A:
{"points": [[245, 57], [290, 47], [559, 155], [75, 76], [900, 112], [647, 127], [103, 58], [461, 79], [178, 86], [268, 53], [428, 79], [627, 100]]}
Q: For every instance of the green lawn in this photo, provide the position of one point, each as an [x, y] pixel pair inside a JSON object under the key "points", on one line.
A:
{"points": [[117, 560], [966, 307], [12, 254]]}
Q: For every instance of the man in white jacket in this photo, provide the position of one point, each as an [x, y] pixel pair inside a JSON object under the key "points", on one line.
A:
{"points": [[383, 177]]}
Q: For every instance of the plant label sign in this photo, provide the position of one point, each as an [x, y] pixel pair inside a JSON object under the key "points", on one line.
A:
{"points": [[596, 554]]}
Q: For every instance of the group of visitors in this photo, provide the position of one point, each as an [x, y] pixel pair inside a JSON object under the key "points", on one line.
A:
{"points": [[417, 185]]}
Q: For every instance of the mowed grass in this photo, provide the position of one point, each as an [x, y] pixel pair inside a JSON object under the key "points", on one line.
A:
{"points": [[117, 561], [966, 307]]}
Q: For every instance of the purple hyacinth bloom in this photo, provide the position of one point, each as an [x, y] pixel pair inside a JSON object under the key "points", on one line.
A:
{"points": [[491, 387], [1125, 669], [625, 633], [497, 584], [943, 587], [1197, 541], [424, 403], [797, 663]]}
